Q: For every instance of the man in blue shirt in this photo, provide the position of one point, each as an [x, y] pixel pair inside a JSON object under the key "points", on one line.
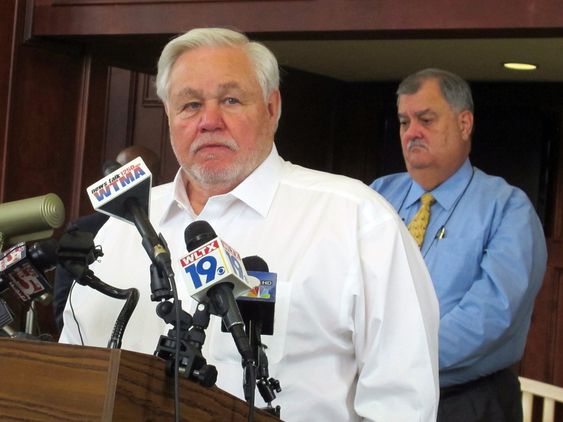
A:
{"points": [[484, 247]]}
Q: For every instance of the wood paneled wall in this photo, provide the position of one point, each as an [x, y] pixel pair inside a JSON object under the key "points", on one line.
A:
{"points": [[7, 24]]}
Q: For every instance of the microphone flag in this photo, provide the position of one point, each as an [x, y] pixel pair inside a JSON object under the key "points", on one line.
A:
{"points": [[18, 272], [212, 263], [258, 303], [109, 194]]}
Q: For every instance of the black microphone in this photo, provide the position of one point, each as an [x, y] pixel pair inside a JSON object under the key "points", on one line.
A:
{"points": [[255, 263], [124, 194], [211, 258], [258, 305], [258, 308], [22, 269]]}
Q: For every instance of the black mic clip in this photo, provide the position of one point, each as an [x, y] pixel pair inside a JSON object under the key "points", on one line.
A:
{"points": [[161, 289], [191, 363], [157, 250], [267, 386], [76, 251]]}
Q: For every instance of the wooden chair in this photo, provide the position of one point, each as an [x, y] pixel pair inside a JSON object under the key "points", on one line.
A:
{"points": [[549, 393]]}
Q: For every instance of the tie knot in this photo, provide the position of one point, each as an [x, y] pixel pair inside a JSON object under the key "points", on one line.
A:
{"points": [[427, 199]]}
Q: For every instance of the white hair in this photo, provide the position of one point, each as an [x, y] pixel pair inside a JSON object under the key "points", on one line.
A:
{"points": [[264, 62]]}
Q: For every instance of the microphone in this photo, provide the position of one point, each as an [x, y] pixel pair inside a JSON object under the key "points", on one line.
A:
{"points": [[21, 269], [125, 194], [22, 266], [30, 219], [257, 307], [217, 273], [258, 304]]}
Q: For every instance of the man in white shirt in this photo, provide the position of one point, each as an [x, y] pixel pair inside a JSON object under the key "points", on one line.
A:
{"points": [[356, 317]]}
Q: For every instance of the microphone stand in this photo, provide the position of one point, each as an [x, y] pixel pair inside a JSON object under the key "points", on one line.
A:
{"points": [[186, 336], [267, 386]]}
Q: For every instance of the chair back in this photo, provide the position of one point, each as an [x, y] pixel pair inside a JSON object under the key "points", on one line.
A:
{"points": [[550, 394]]}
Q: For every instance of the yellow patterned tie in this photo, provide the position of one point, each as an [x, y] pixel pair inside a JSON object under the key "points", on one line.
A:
{"points": [[417, 226]]}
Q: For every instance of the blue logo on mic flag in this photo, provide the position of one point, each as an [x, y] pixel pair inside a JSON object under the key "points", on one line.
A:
{"points": [[206, 267], [116, 182]]}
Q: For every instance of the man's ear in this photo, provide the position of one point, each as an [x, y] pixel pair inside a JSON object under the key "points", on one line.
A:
{"points": [[274, 105], [465, 122]]}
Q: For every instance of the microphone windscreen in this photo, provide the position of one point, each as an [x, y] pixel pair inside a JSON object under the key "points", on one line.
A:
{"points": [[44, 254], [255, 263], [32, 218], [198, 233]]}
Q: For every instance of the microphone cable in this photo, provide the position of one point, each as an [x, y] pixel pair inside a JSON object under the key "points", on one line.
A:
{"points": [[131, 297], [177, 348], [74, 314]]}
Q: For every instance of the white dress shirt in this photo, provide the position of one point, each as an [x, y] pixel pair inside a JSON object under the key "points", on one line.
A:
{"points": [[356, 317]]}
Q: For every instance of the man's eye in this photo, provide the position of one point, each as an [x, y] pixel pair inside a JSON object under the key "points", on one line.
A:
{"points": [[231, 100], [403, 123], [193, 105]]}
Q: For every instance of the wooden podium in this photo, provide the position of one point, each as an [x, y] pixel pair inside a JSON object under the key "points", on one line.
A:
{"points": [[41, 381]]}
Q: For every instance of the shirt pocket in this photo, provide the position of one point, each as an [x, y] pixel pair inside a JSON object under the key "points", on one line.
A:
{"points": [[455, 263], [222, 347]]}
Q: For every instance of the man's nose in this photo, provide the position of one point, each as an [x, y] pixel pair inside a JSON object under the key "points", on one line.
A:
{"points": [[212, 118], [411, 131]]}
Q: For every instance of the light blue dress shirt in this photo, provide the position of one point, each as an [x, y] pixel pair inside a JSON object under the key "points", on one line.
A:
{"points": [[486, 253]]}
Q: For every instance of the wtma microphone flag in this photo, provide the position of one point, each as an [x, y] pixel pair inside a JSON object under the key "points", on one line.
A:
{"points": [[109, 195]]}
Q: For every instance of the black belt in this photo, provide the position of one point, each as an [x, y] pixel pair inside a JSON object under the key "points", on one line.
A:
{"points": [[453, 390]]}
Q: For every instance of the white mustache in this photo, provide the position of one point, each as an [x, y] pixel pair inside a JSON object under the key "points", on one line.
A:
{"points": [[416, 142], [206, 140]]}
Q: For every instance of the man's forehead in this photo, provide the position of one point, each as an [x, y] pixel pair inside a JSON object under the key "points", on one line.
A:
{"points": [[425, 98], [417, 112], [223, 56], [220, 88], [212, 70], [429, 87]]}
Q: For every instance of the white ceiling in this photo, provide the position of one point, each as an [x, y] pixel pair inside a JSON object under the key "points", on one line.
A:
{"points": [[473, 59]]}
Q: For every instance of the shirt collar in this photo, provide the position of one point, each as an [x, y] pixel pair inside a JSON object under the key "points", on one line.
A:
{"points": [[256, 191], [447, 192]]}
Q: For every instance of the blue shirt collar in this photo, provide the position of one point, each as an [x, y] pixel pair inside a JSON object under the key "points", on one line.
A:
{"points": [[447, 192]]}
